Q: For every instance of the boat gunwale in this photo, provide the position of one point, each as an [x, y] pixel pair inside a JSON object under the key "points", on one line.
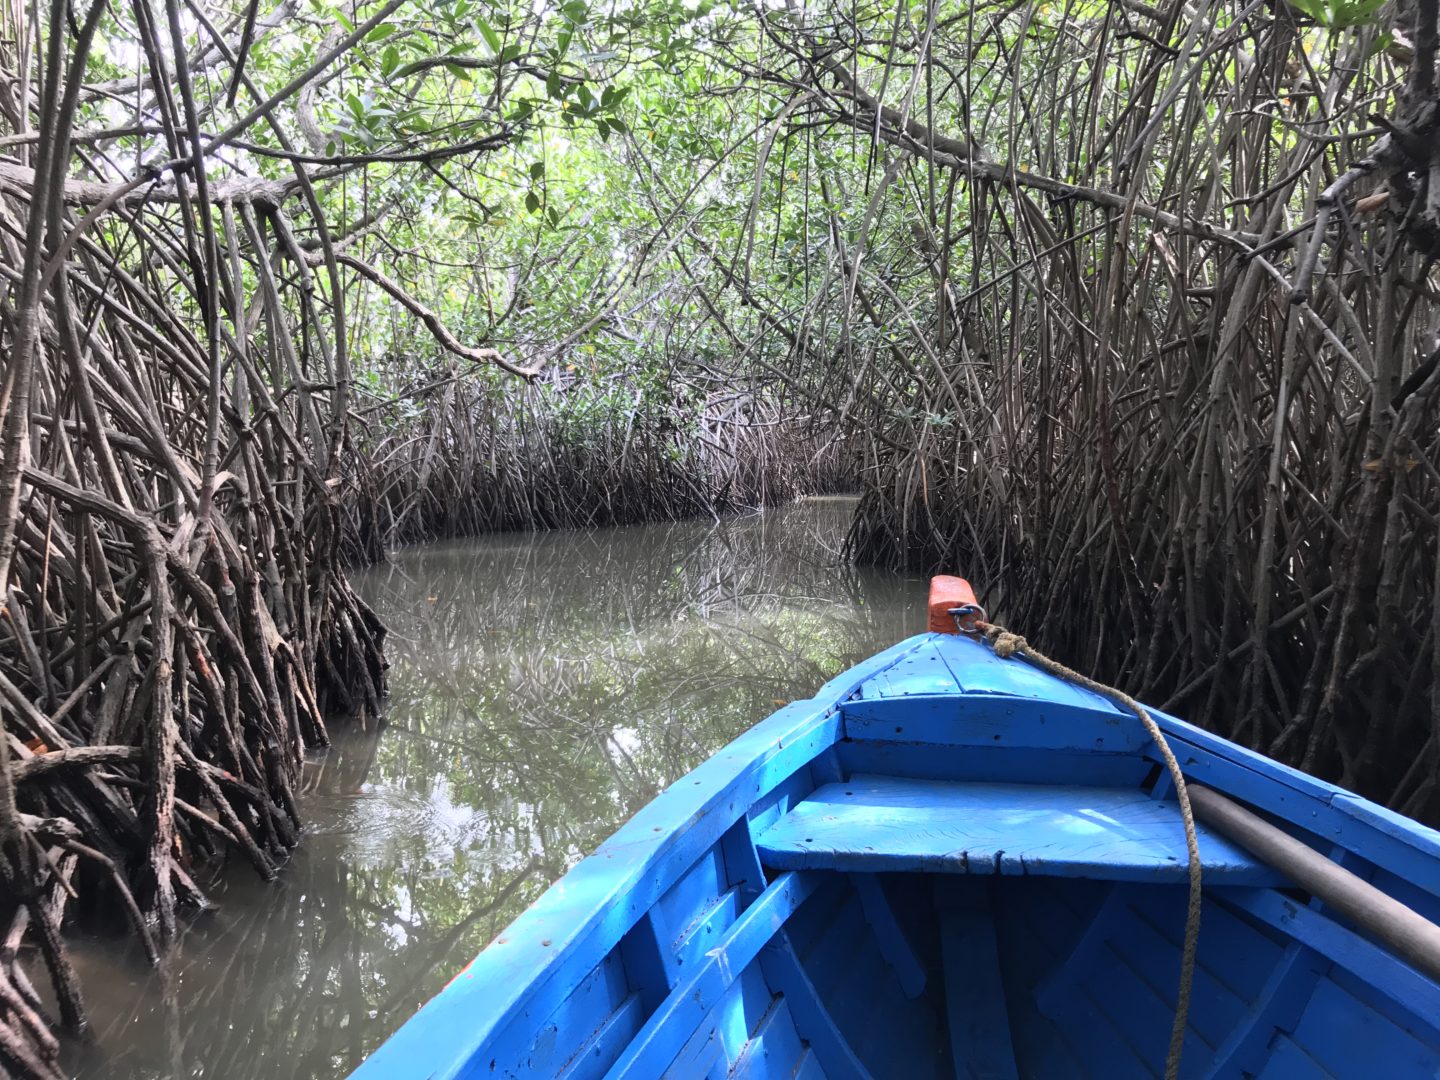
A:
{"points": [[582, 917]]}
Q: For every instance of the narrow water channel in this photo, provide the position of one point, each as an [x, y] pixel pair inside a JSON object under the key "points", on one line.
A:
{"points": [[544, 687]]}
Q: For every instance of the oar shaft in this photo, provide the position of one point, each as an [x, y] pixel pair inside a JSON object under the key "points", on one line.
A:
{"points": [[1411, 936]]}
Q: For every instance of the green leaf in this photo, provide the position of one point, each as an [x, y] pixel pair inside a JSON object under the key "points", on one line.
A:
{"points": [[532, 201], [553, 86], [510, 52], [537, 170], [492, 39], [459, 72], [1356, 13], [389, 61], [381, 32], [1340, 14]]}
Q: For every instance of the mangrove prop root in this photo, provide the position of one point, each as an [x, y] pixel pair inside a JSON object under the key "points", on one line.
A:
{"points": [[175, 623]]}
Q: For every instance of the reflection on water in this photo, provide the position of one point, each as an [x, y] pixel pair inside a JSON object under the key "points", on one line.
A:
{"points": [[544, 688]]}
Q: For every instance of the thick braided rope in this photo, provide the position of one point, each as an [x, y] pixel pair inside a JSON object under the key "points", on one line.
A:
{"points": [[1007, 644]]}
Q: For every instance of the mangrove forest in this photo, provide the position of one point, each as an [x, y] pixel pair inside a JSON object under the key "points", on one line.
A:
{"points": [[1127, 310]]}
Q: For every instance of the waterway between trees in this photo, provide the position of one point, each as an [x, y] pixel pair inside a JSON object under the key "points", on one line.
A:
{"points": [[544, 687]]}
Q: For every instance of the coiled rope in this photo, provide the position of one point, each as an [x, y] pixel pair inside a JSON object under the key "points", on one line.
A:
{"points": [[1006, 645]]}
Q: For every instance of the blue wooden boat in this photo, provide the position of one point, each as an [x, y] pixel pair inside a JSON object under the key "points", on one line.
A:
{"points": [[949, 864]]}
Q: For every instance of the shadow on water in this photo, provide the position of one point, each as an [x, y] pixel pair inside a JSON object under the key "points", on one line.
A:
{"points": [[544, 687]]}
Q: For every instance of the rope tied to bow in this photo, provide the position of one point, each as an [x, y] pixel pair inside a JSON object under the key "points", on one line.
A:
{"points": [[1007, 644]]}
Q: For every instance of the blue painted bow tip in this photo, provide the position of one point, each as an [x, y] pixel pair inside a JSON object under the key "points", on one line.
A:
{"points": [[947, 864]]}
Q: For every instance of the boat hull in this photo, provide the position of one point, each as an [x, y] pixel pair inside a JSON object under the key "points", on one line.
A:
{"points": [[945, 864]]}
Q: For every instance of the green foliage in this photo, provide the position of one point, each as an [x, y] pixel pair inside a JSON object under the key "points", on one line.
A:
{"points": [[1341, 14]]}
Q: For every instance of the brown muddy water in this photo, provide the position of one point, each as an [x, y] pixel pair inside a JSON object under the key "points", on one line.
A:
{"points": [[544, 687]]}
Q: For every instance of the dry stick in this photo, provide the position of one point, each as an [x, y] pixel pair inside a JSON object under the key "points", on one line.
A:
{"points": [[430, 318], [15, 392]]}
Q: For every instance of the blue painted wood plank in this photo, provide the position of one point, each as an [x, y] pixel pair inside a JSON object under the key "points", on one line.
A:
{"points": [[774, 1050], [831, 1053], [719, 1040], [1251, 948], [994, 764], [809, 1067], [1099, 1042], [889, 1034], [831, 957], [786, 974], [1401, 888], [850, 681], [1123, 964], [1370, 963], [1037, 932], [1287, 1061], [703, 1054], [1402, 846], [1215, 1009], [980, 1041], [1410, 833], [1144, 1010], [600, 1051], [1052, 927], [922, 671], [979, 671], [832, 903], [988, 720], [1348, 1038], [1060, 982], [894, 945], [1276, 1008], [877, 823], [680, 1014], [691, 896], [776, 803], [700, 936], [741, 1012], [588, 1008], [648, 960]]}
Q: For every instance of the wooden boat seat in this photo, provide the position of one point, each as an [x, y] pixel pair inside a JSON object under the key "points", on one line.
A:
{"points": [[886, 823]]}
